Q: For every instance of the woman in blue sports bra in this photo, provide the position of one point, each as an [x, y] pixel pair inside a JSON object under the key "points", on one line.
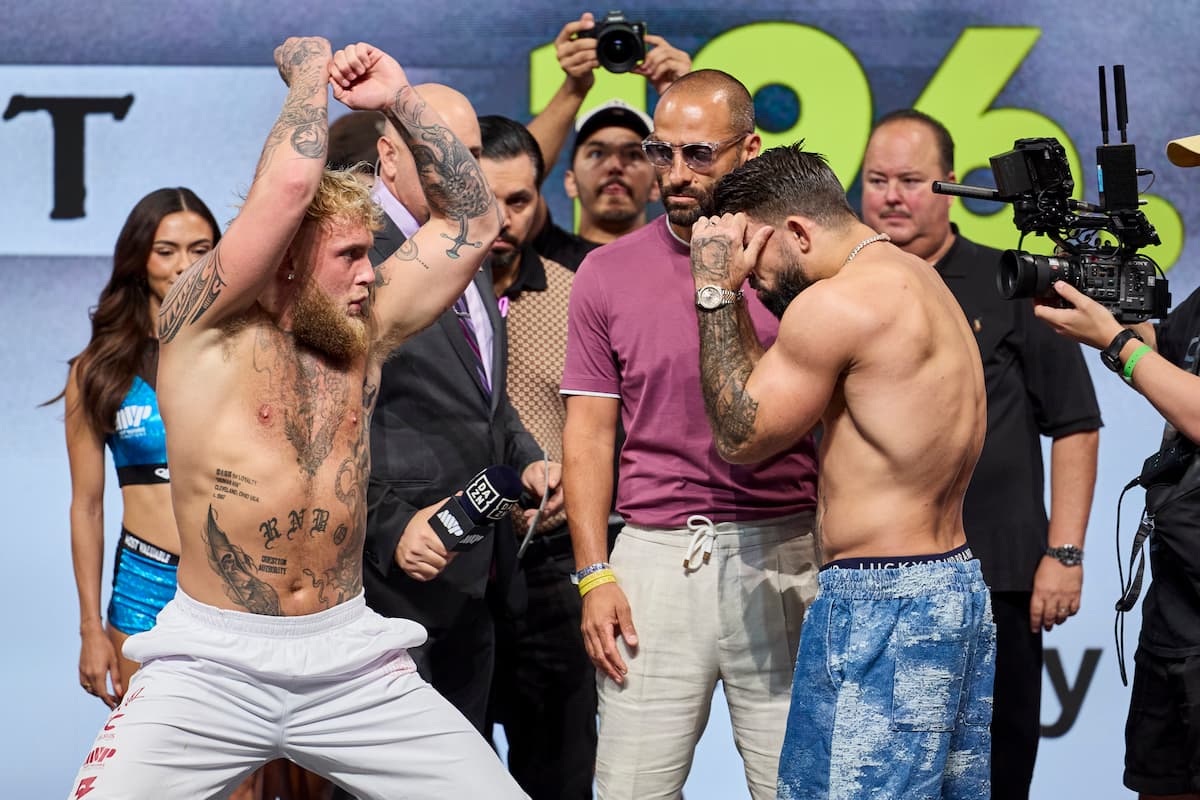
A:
{"points": [[110, 400]]}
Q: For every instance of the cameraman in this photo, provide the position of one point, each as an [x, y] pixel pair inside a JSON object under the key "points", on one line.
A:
{"points": [[1162, 743]]}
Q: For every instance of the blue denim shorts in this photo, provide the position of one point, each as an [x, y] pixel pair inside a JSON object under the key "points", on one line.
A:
{"points": [[143, 582], [892, 695]]}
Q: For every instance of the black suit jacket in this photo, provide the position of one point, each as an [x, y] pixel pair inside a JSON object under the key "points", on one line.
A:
{"points": [[434, 427]]}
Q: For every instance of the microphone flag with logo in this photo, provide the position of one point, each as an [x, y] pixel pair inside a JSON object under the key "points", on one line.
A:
{"points": [[484, 501]]}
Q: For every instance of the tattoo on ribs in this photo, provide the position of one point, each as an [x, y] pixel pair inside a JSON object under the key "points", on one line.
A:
{"points": [[192, 295], [233, 484], [237, 571]]}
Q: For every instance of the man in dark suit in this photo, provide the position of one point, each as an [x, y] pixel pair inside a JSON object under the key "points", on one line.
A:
{"points": [[442, 415]]}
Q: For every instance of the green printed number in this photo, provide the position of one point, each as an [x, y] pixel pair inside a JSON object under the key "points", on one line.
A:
{"points": [[836, 109], [835, 98]]}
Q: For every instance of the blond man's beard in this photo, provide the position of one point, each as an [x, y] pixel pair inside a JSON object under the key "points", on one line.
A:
{"points": [[319, 323]]}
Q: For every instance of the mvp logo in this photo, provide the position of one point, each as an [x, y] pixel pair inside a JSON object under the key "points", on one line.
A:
{"points": [[447, 519], [100, 754], [132, 417]]}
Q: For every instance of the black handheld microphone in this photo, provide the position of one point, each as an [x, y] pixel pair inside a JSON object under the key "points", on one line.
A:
{"points": [[485, 499]]}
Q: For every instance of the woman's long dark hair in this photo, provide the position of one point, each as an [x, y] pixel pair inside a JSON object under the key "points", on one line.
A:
{"points": [[121, 325]]}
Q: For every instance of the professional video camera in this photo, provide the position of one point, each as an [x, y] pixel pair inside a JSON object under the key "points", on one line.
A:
{"points": [[1034, 176], [620, 43]]}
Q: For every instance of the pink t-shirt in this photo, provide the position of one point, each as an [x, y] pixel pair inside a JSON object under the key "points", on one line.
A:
{"points": [[633, 335]]}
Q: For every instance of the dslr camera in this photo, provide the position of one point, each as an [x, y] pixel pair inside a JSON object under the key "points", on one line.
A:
{"points": [[620, 43], [1036, 179]]}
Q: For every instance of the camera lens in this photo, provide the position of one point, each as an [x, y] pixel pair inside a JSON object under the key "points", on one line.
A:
{"points": [[1017, 276], [618, 47], [1026, 275]]}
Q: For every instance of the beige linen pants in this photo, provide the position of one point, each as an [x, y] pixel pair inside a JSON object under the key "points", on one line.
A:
{"points": [[735, 619]]}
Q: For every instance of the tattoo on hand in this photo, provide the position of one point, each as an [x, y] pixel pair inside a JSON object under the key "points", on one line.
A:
{"points": [[238, 572], [711, 256], [192, 295]]}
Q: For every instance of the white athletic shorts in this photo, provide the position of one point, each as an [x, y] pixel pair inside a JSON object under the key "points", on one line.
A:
{"points": [[222, 692]]}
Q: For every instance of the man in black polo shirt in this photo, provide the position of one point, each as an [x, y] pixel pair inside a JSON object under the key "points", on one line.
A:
{"points": [[1037, 385]]}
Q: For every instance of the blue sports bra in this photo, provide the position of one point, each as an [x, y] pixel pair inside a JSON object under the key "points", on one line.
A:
{"points": [[139, 441]]}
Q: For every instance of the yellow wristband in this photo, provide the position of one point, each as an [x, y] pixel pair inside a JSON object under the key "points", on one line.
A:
{"points": [[589, 581], [1127, 373], [600, 579]]}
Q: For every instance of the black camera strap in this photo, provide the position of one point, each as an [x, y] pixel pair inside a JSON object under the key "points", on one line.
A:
{"points": [[1168, 475], [1131, 590]]}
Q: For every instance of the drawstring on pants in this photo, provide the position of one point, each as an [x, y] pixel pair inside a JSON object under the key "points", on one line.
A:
{"points": [[704, 534]]}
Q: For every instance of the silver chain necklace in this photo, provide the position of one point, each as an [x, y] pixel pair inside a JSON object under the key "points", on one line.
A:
{"points": [[879, 237]]}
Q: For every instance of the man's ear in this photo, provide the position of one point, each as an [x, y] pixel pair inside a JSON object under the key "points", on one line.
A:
{"points": [[570, 185], [387, 155], [752, 146], [655, 194], [800, 229]]}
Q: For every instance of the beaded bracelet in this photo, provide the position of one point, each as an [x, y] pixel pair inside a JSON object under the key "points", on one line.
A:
{"points": [[576, 577], [596, 579]]}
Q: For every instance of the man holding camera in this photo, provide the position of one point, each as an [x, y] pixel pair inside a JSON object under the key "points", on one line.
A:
{"points": [[1162, 749], [1036, 386], [608, 173]]}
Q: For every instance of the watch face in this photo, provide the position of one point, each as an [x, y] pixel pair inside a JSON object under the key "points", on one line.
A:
{"points": [[1068, 554], [709, 297]]}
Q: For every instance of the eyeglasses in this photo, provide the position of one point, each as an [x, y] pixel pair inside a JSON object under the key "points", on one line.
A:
{"points": [[698, 156]]}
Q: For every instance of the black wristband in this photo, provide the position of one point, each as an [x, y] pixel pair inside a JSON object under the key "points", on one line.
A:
{"points": [[1111, 355]]}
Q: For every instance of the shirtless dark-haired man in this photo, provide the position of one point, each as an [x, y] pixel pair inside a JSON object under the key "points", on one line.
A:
{"points": [[892, 691]]}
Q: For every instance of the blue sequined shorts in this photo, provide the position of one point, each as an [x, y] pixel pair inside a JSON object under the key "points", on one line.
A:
{"points": [[892, 695], [143, 582]]}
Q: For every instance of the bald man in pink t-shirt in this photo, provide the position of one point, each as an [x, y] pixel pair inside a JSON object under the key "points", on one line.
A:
{"points": [[711, 575]]}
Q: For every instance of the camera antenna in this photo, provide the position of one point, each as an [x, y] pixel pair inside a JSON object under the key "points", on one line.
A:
{"points": [[1119, 88], [1103, 107]]}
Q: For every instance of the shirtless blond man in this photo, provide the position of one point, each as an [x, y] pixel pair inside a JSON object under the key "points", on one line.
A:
{"points": [[271, 354], [891, 696]]}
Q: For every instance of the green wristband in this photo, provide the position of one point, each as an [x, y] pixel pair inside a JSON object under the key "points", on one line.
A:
{"points": [[1127, 374]]}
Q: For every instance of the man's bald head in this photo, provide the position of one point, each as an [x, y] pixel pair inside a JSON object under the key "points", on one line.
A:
{"points": [[397, 169], [456, 111], [714, 89]]}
